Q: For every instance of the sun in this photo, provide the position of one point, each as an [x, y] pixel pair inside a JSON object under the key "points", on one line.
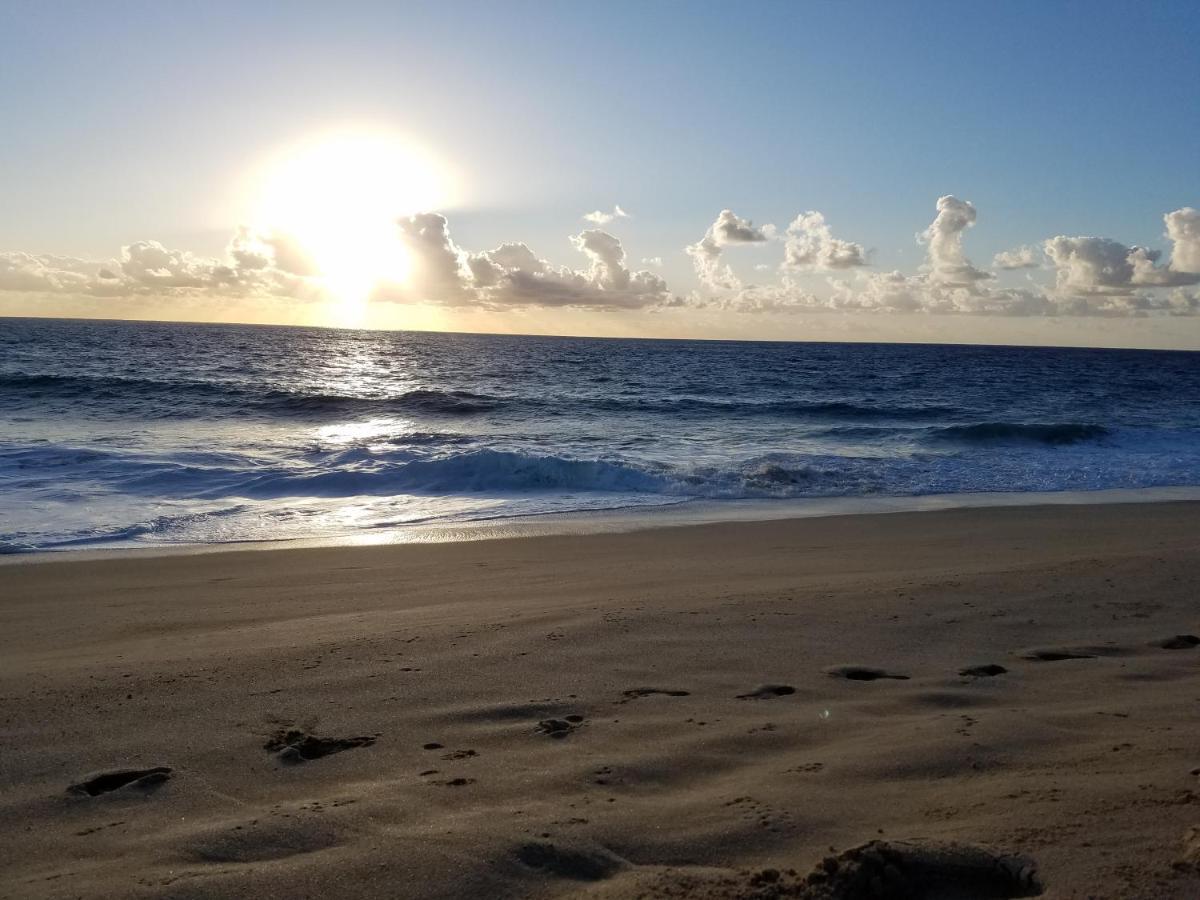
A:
{"points": [[338, 196]]}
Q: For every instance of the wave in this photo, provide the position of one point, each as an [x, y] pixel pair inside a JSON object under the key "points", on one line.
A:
{"points": [[388, 470], [836, 409], [1052, 434], [190, 399], [381, 472], [186, 399], [463, 473], [163, 528], [11, 547], [459, 403], [500, 472], [116, 498]]}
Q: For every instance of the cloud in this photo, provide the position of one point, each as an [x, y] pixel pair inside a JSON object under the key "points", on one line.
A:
{"points": [[1183, 228], [1110, 276], [706, 259], [811, 245], [887, 293], [655, 261], [607, 257], [269, 265], [1092, 265], [599, 217], [512, 275], [147, 268], [949, 283], [1093, 276], [250, 249], [1183, 303], [783, 298], [947, 262], [45, 274], [1101, 267], [1024, 257], [897, 292], [150, 263], [729, 228], [435, 262], [732, 229]]}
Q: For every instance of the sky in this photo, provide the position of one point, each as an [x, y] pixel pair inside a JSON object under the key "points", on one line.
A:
{"points": [[999, 173]]}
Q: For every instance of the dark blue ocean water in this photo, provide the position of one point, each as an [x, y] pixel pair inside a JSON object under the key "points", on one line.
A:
{"points": [[131, 433]]}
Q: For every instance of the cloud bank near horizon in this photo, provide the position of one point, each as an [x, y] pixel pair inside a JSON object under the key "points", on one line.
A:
{"points": [[814, 271]]}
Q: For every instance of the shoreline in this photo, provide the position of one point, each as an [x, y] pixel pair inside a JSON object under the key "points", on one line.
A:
{"points": [[626, 519]]}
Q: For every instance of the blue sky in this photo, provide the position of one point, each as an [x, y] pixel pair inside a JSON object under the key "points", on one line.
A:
{"points": [[137, 121]]}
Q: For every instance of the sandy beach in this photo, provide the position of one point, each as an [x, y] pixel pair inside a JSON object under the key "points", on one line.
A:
{"points": [[705, 711]]}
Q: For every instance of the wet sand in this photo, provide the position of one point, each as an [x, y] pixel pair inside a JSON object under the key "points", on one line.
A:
{"points": [[1007, 699]]}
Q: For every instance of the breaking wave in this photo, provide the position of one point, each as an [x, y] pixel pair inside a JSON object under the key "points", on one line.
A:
{"points": [[463, 473]]}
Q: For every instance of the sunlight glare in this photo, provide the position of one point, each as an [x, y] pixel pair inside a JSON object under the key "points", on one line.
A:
{"points": [[339, 196]]}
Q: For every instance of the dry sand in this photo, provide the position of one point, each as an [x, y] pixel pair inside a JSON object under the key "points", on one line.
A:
{"points": [[661, 713]]}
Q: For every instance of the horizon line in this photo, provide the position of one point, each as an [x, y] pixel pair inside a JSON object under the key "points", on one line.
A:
{"points": [[590, 337]]}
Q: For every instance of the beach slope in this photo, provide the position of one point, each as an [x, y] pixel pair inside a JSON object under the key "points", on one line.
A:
{"points": [[1008, 699]]}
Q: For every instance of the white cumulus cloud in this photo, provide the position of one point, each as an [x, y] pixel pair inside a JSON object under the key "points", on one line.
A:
{"points": [[1102, 267], [811, 245], [729, 228], [512, 275], [1024, 257], [947, 262], [1183, 229], [1092, 276], [600, 217]]}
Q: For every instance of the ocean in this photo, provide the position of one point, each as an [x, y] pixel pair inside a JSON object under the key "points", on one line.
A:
{"points": [[121, 434]]}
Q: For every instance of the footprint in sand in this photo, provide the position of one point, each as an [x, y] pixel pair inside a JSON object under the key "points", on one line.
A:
{"points": [[1057, 654], [985, 671], [583, 864], [761, 814], [559, 728], [1177, 642], [862, 673], [635, 693], [902, 869], [105, 782], [254, 842], [293, 745], [768, 692], [1189, 859]]}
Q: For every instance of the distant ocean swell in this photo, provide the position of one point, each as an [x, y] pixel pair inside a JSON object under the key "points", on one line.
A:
{"points": [[236, 399], [182, 398], [195, 398]]}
